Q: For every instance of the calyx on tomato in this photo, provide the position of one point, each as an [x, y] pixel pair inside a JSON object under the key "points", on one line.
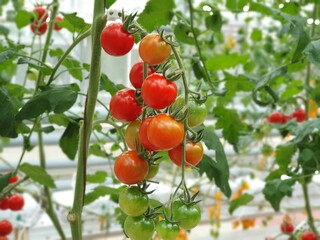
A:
{"points": [[188, 214]]}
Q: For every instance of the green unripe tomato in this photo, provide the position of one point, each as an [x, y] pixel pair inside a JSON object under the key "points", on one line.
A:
{"points": [[167, 230], [153, 170], [32, 74], [189, 215], [133, 202], [139, 228]]}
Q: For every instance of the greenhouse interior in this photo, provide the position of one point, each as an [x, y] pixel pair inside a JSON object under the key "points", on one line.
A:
{"points": [[159, 120]]}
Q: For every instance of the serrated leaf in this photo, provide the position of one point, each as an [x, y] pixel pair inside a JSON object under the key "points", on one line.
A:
{"points": [[224, 61], [244, 199], [99, 192], [56, 98], [37, 174], [156, 14], [7, 54], [97, 177], [284, 154], [69, 140], [303, 129], [96, 150], [7, 121], [73, 23], [275, 190], [4, 180], [23, 18], [312, 52]]}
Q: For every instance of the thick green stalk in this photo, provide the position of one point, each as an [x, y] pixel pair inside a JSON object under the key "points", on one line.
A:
{"points": [[74, 215]]}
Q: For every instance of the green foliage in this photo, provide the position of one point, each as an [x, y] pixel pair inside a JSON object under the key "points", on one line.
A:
{"points": [[37, 174], [244, 199], [73, 23], [214, 21], [109, 86], [97, 177], [225, 61], [312, 52], [7, 123], [4, 180], [98, 192], [284, 154], [23, 18], [69, 140]]}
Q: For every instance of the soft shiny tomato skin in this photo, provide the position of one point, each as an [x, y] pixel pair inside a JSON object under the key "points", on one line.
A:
{"points": [[129, 168], [190, 216], [4, 203], [153, 50], [143, 135], [164, 132], [287, 227], [194, 154], [39, 29], [133, 202], [41, 13], [136, 74], [275, 117], [299, 115], [57, 22], [5, 228], [124, 106], [115, 40], [139, 228], [157, 92], [13, 179], [16, 202], [167, 230], [132, 135], [308, 235], [153, 170]]}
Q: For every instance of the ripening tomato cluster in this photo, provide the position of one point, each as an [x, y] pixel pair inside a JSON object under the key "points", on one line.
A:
{"points": [[151, 128], [39, 23], [279, 118]]}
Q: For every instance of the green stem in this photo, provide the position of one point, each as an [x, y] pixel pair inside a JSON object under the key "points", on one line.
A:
{"points": [[75, 215], [30, 55], [66, 54]]}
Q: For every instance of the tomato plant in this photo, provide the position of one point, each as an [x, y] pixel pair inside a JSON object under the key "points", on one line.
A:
{"points": [[5, 228], [15, 202], [133, 201], [276, 117], [139, 228], [153, 49], [194, 154], [189, 216], [115, 40], [136, 74], [13, 179], [129, 168], [41, 14], [39, 28], [286, 227], [299, 115], [167, 230]]}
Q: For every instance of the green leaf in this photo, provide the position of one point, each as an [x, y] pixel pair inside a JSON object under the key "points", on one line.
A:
{"points": [[109, 3], [69, 140], [4, 30], [96, 150], [292, 8], [37, 174], [276, 174], [7, 123], [73, 23], [275, 190], [99, 192], [8, 54], [59, 119], [223, 61], [256, 35], [56, 98], [284, 154], [74, 67], [23, 18], [312, 52], [303, 39], [4, 180], [303, 129], [230, 123], [97, 177], [156, 14], [46, 70], [214, 21], [244, 199], [107, 85], [183, 33]]}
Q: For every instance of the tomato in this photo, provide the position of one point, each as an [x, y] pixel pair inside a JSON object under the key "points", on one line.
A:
{"points": [[153, 49], [38, 29], [41, 14], [157, 92], [16, 202], [197, 113], [194, 154], [136, 74], [143, 135], [3, 238], [4, 203], [129, 168], [190, 215], [286, 118], [164, 132], [153, 170], [13, 179], [115, 40], [308, 235], [299, 115], [57, 22], [5, 228], [124, 106], [167, 230], [132, 135], [32, 74], [286, 227], [139, 228], [133, 202], [275, 117]]}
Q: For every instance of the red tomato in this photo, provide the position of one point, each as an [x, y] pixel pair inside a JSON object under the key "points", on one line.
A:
{"points": [[287, 227], [15, 202], [143, 135], [129, 168], [5, 228], [38, 29], [40, 14], [308, 235], [157, 92], [4, 203], [56, 25], [115, 40], [13, 179], [276, 117], [3, 238], [194, 154], [286, 118], [132, 135], [124, 106], [136, 74], [164, 132], [299, 115], [153, 50]]}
